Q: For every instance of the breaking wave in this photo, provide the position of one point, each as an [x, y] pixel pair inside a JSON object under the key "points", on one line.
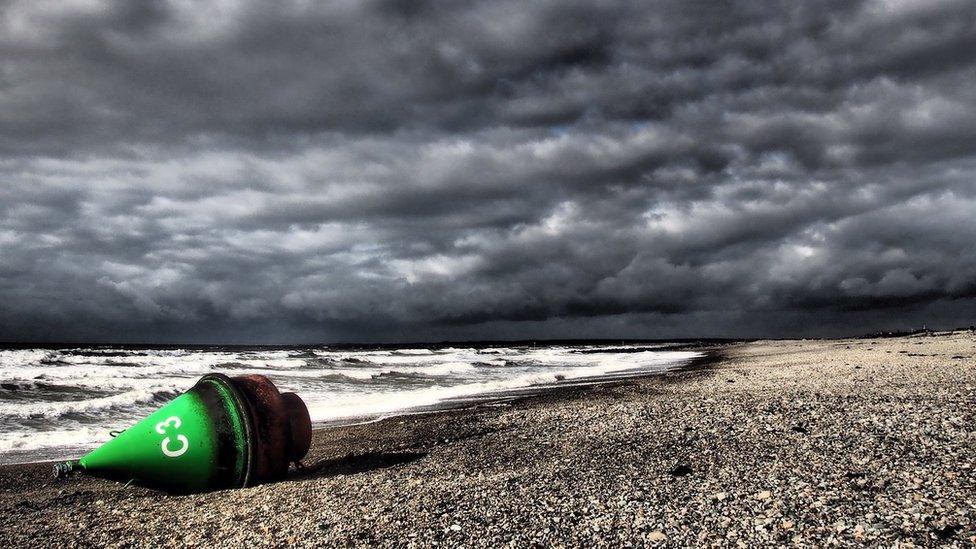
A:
{"points": [[57, 403]]}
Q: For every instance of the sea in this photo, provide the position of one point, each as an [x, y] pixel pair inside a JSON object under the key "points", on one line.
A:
{"points": [[58, 403]]}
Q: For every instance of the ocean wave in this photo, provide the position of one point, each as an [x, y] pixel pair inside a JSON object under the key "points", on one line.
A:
{"points": [[413, 352], [35, 390], [85, 390], [101, 353], [358, 406], [27, 445], [119, 401]]}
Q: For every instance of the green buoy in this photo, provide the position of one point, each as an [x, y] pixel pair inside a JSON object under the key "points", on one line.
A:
{"points": [[225, 432]]}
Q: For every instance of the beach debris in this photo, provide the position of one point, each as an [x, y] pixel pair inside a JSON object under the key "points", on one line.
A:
{"points": [[225, 432]]}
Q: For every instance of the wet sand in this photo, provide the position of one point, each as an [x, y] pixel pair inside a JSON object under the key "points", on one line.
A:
{"points": [[839, 442]]}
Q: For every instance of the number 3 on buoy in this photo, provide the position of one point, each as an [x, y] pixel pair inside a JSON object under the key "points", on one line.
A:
{"points": [[164, 445]]}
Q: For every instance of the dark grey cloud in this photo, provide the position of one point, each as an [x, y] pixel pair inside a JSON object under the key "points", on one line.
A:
{"points": [[235, 171]]}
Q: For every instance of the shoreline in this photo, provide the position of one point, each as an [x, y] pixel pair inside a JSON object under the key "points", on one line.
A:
{"points": [[510, 397], [527, 396], [37, 456], [821, 442]]}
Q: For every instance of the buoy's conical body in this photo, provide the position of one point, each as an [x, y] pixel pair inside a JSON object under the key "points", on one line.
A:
{"points": [[222, 433]]}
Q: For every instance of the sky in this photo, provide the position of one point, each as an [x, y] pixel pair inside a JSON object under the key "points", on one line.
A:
{"points": [[361, 170]]}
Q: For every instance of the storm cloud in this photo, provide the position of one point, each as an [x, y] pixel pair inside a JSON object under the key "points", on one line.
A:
{"points": [[230, 171]]}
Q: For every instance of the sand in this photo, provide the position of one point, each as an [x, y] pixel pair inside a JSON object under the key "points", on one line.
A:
{"points": [[816, 443]]}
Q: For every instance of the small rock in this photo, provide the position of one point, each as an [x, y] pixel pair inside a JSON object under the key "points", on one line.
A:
{"points": [[948, 531], [657, 535], [764, 495], [680, 470]]}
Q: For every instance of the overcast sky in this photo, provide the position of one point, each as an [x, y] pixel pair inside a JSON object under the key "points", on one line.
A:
{"points": [[230, 171]]}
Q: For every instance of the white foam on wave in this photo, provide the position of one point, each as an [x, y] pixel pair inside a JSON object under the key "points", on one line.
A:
{"points": [[336, 384], [325, 408], [75, 438], [444, 369], [17, 358], [124, 400], [373, 370], [416, 352]]}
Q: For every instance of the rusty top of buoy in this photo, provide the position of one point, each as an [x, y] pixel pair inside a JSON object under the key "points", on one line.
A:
{"points": [[282, 427]]}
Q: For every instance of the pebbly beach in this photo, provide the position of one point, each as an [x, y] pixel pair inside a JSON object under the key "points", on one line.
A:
{"points": [[841, 442]]}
